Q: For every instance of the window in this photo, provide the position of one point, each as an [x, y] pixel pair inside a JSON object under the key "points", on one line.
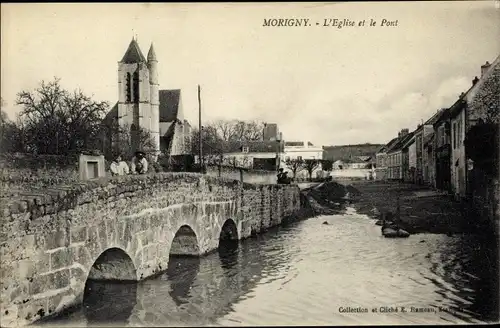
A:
{"points": [[128, 90], [244, 149], [454, 134], [459, 133], [136, 87]]}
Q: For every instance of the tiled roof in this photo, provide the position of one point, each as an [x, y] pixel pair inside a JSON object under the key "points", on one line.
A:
{"points": [[434, 118], [388, 145], [400, 142], [169, 104], [443, 116], [133, 54]]}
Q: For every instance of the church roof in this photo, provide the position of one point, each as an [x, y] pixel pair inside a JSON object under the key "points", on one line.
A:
{"points": [[133, 54], [169, 104]]}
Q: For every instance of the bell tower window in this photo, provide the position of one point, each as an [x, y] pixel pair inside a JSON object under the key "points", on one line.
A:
{"points": [[136, 87], [128, 90]]}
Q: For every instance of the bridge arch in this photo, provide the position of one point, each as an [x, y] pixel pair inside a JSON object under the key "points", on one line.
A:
{"points": [[229, 231], [113, 274], [185, 242], [113, 264]]}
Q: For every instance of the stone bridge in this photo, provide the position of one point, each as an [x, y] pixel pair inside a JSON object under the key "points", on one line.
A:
{"points": [[122, 228]]}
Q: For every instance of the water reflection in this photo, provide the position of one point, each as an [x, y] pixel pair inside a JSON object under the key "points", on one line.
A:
{"points": [[109, 302], [181, 273], [304, 272]]}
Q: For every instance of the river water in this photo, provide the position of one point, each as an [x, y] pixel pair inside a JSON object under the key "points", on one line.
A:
{"points": [[313, 274]]}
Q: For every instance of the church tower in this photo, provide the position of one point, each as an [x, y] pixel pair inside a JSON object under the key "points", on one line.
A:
{"points": [[134, 100], [154, 98]]}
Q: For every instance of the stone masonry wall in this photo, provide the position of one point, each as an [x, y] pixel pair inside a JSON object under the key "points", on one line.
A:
{"points": [[50, 239]]}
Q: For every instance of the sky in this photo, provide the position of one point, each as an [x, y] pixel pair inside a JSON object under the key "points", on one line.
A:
{"points": [[328, 85]]}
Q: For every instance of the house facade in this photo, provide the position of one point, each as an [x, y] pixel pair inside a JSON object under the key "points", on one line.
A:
{"points": [[442, 152], [412, 160], [405, 157], [481, 101], [458, 161], [261, 155], [483, 104], [397, 156]]}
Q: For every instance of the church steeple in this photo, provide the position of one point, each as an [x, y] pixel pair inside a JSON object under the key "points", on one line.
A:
{"points": [[133, 54], [152, 54]]}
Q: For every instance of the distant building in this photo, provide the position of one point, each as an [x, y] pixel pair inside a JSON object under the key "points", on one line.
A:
{"points": [[382, 162], [302, 150], [271, 132], [422, 134], [397, 158], [141, 105]]}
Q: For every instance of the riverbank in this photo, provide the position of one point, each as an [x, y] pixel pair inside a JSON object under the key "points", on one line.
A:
{"points": [[422, 209]]}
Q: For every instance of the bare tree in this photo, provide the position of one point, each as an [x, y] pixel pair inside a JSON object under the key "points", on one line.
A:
{"points": [[310, 165], [294, 165], [237, 130], [57, 121]]}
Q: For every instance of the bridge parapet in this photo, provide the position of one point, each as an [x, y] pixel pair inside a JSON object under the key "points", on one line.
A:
{"points": [[123, 228]]}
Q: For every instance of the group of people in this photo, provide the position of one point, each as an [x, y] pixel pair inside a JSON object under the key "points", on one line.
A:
{"points": [[283, 177], [138, 165]]}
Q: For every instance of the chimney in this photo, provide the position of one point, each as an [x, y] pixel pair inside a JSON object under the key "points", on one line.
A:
{"points": [[475, 81], [403, 133], [484, 68]]}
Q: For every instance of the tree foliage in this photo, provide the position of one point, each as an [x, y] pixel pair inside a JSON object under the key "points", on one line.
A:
{"points": [[56, 121]]}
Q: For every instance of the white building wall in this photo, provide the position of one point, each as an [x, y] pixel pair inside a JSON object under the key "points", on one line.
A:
{"points": [[412, 155]]}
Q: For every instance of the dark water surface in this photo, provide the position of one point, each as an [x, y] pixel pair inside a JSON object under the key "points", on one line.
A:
{"points": [[308, 273]]}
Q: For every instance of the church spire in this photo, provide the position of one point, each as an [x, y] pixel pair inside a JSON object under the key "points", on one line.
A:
{"points": [[151, 53], [133, 53]]}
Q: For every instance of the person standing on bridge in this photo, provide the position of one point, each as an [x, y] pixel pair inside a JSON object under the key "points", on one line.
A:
{"points": [[118, 167], [139, 163]]}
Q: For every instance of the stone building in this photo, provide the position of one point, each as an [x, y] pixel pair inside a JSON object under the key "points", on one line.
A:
{"points": [[142, 106]]}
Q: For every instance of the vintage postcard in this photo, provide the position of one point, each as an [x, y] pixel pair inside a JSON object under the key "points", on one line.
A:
{"points": [[249, 164]]}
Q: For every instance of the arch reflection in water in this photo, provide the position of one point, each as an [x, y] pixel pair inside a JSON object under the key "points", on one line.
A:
{"points": [[107, 297], [181, 273], [109, 302], [228, 244]]}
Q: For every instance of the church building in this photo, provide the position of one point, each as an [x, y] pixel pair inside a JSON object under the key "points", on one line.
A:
{"points": [[142, 106]]}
